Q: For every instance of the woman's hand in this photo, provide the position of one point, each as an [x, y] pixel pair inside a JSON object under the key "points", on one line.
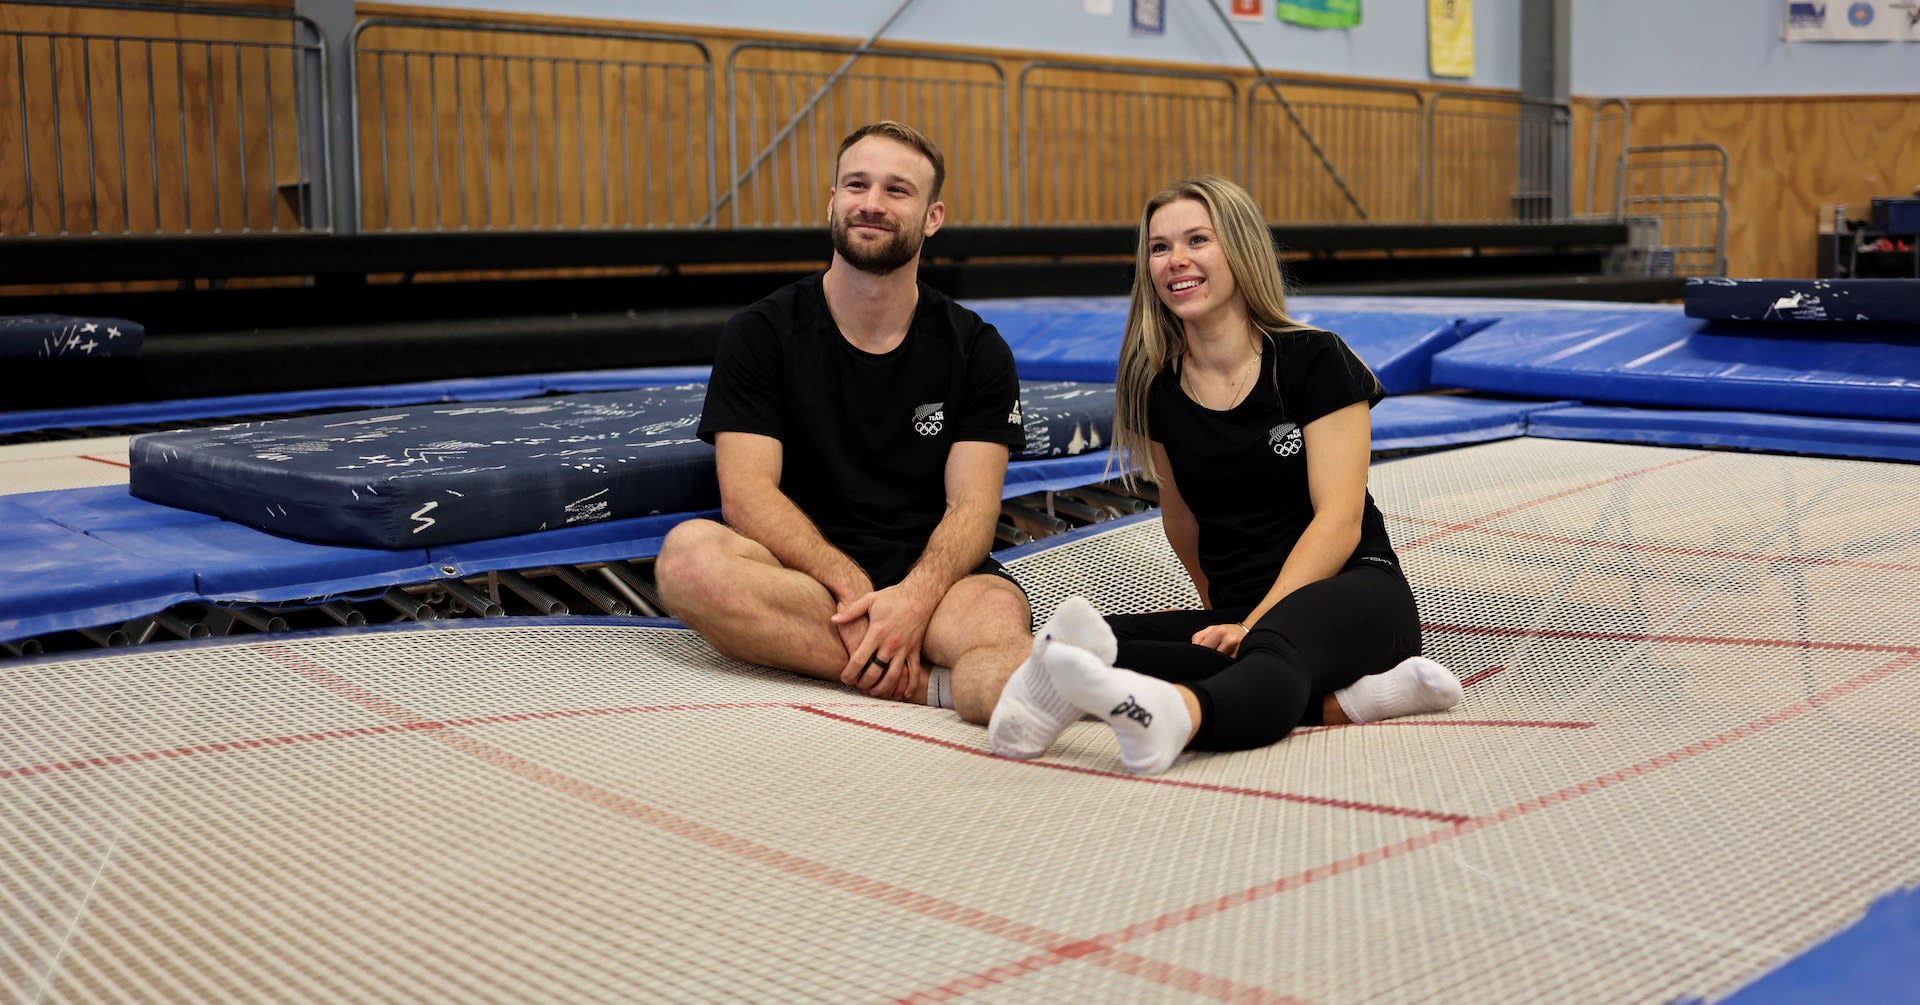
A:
{"points": [[1221, 638]]}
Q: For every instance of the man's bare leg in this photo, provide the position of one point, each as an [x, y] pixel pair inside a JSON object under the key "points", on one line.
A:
{"points": [[982, 630], [732, 591]]}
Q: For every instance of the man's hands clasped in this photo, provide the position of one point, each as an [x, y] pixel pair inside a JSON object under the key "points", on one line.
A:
{"points": [[883, 631]]}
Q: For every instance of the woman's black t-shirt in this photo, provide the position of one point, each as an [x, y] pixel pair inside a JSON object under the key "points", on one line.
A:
{"points": [[864, 437], [1243, 472]]}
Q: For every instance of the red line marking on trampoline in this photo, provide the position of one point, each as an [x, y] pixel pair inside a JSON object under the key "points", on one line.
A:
{"points": [[1054, 946], [1475, 678], [388, 729], [1195, 912], [1669, 549], [1448, 530], [76, 457], [1230, 790]]}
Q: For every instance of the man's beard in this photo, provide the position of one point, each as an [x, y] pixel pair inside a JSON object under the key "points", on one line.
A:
{"points": [[896, 251]]}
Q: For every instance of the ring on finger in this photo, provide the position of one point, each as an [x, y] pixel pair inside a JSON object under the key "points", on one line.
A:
{"points": [[875, 660]]}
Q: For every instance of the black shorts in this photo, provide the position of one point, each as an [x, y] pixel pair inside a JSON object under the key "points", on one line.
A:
{"points": [[989, 566]]}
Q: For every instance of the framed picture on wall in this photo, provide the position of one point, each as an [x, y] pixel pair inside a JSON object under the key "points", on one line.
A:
{"points": [[1150, 16]]}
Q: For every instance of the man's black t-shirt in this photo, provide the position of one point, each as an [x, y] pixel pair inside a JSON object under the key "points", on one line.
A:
{"points": [[1243, 472], [864, 437]]}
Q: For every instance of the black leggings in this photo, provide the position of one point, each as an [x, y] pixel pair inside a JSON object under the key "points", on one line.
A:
{"points": [[1321, 638]]}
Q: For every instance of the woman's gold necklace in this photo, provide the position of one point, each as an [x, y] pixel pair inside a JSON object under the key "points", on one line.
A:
{"points": [[1233, 398]]}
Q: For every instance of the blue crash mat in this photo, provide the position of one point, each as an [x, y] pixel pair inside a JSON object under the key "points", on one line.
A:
{"points": [[1800, 300], [57, 336], [1865, 439], [422, 476], [1664, 358], [1078, 338]]}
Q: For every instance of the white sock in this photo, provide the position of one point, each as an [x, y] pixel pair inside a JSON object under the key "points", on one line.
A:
{"points": [[1031, 714], [1415, 685], [1147, 715], [940, 688]]}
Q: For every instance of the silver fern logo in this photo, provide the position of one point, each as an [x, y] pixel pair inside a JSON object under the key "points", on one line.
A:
{"points": [[1285, 439], [930, 418]]}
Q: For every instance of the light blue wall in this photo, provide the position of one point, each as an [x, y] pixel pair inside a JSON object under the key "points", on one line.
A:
{"points": [[1389, 44], [1620, 48], [1681, 48]]}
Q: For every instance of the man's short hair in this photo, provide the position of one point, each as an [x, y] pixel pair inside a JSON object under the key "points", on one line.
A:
{"points": [[899, 132]]}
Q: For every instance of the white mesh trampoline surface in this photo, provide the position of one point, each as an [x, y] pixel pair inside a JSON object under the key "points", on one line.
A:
{"points": [[1685, 756]]}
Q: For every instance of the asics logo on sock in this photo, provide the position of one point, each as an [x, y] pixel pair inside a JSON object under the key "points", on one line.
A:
{"points": [[1132, 710]]}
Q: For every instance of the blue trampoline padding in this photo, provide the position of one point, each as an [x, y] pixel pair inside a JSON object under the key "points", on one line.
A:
{"points": [[1667, 358], [232, 562], [104, 507], [1870, 961], [1078, 338], [1424, 421], [1862, 439], [53, 578], [1800, 300], [58, 336], [425, 392], [610, 541]]}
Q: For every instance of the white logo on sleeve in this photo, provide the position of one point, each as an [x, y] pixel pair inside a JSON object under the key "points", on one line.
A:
{"points": [[930, 418], [1014, 417], [1285, 439]]}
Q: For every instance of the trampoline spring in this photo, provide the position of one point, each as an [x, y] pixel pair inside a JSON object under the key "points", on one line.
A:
{"points": [[546, 602], [1073, 509], [257, 619], [471, 599], [593, 594], [106, 638], [1032, 521], [181, 626], [343, 614], [1113, 502], [409, 606], [643, 597], [1007, 534], [23, 647]]}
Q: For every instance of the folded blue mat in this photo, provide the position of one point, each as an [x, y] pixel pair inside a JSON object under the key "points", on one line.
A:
{"points": [[1664, 358], [57, 336]]}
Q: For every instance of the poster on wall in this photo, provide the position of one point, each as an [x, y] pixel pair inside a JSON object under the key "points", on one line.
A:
{"points": [[1450, 38], [1249, 10], [1319, 13], [1852, 21], [1150, 16], [1098, 8]]}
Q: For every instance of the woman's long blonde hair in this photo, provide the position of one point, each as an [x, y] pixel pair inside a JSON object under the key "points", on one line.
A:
{"points": [[1155, 337]]}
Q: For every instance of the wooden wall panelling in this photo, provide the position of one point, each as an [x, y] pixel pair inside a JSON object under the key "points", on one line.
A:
{"points": [[1790, 157], [520, 130], [1321, 152], [134, 122]]}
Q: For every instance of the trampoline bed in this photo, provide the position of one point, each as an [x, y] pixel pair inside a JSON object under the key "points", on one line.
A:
{"points": [[1684, 760]]}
